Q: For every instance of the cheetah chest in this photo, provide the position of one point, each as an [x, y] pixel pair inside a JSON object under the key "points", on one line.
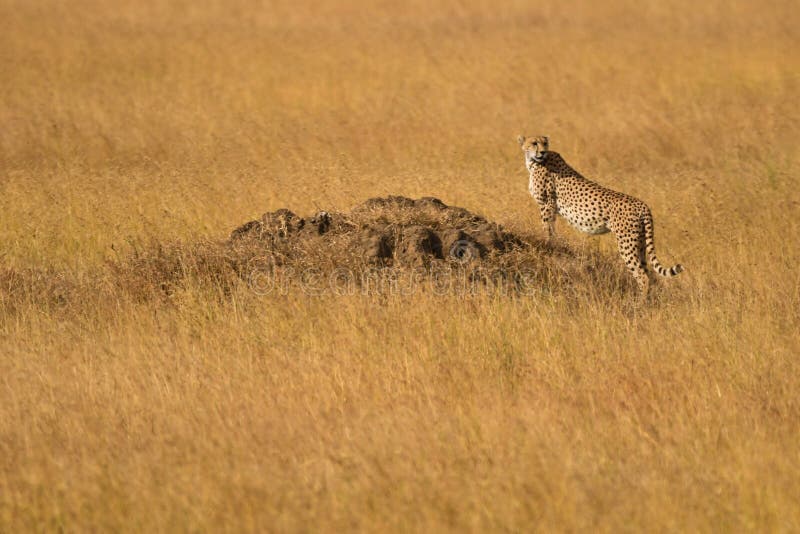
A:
{"points": [[572, 201]]}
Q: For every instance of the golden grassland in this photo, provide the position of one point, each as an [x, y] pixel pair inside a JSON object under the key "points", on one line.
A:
{"points": [[135, 124]]}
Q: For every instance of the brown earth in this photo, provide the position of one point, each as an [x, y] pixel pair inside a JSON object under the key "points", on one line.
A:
{"points": [[391, 237], [389, 231]]}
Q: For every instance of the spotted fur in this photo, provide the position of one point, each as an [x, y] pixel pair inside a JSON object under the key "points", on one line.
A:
{"points": [[592, 208]]}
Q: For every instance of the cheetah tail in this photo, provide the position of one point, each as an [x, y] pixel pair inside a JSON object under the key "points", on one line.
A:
{"points": [[650, 248]]}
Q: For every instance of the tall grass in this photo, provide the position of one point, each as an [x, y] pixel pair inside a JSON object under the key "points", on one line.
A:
{"points": [[130, 128]]}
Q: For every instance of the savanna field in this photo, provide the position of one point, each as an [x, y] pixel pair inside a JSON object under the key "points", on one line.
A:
{"points": [[148, 384]]}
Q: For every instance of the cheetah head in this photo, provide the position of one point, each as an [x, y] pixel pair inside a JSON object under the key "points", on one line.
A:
{"points": [[535, 148]]}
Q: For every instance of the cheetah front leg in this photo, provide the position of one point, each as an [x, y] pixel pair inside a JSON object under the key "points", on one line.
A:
{"points": [[548, 212]]}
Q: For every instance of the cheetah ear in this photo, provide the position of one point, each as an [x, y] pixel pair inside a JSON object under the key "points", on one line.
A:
{"points": [[546, 140], [521, 139]]}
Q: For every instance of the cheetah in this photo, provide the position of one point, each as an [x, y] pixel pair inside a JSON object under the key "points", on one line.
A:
{"points": [[592, 208]]}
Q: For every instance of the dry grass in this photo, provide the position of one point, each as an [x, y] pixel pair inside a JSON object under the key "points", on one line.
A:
{"points": [[136, 135]]}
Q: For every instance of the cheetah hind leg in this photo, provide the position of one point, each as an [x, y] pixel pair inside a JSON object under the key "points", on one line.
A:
{"points": [[651, 275], [632, 251]]}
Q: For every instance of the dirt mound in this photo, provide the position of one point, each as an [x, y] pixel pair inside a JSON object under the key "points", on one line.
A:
{"points": [[392, 230]]}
